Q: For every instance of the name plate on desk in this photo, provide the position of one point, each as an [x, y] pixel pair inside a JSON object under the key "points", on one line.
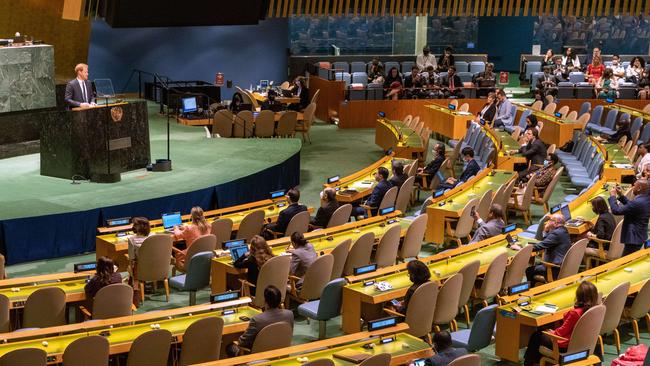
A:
{"points": [[118, 144]]}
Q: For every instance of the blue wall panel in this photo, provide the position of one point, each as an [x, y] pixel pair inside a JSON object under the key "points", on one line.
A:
{"points": [[245, 54]]}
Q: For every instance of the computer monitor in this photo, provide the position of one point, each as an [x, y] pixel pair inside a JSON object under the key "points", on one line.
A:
{"points": [[264, 84], [171, 219], [566, 212], [189, 105], [237, 251]]}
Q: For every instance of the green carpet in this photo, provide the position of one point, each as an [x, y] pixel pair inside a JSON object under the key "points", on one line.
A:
{"points": [[198, 162], [333, 151]]}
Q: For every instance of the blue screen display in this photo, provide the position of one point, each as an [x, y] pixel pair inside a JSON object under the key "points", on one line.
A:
{"points": [[117, 222], [333, 179], [189, 105], [509, 228], [566, 212], [452, 107], [647, 244], [171, 219], [438, 193], [277, 194], [609, 100], [558, 114], [89, 266], [237, 251], [365, 269], [226, 296], [519, 288], [555, 209], [231, 243], [382, 323], [387, 210], [573, 357]]}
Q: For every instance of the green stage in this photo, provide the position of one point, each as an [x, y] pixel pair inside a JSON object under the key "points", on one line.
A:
{"points": [[198, 162]]}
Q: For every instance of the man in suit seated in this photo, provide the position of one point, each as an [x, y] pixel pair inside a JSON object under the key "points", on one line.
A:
{"points": [[635, 214], [547, 84], [485, 80], [535, 152], [328, 204], [399, 177], [445, 353], [272, 314], [285, 216], [471, 169], [431, 169], [453, 84], [491, 227], [79, 91], [504, 111], [555, 245], [383, 185]]}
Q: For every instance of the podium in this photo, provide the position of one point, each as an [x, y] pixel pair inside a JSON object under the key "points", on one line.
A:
{"points": [[95, 143]]}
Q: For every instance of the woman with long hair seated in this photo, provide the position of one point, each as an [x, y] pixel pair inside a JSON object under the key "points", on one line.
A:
{"points": [[586, 297], [197, 228], [254, 259], [106, 274]]}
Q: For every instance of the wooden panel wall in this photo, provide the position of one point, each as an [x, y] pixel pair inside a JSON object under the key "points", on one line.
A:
{"points": [[42, 19], [287, 8]]}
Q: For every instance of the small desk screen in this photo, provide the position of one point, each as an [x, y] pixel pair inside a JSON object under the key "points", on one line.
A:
{"points": [[365, 269], [277, 194], [225, 296], [438, 193], [555, 209], [647, 244], [452, 107], [264, 84], [382, 323], [333, 179], [609, 100], [573, 357], [518, 288], [387, 210], [118, 222], [189, 105], [171, 219], [558, 114], [88, 266], [509, 228]]}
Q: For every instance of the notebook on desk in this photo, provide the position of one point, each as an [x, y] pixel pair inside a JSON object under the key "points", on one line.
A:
{"points": [[351, 356]]}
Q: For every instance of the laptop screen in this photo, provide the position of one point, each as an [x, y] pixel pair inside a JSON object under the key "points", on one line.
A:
{"points": [[171, 219], [237, 251], [231, 243], [566, 212]]}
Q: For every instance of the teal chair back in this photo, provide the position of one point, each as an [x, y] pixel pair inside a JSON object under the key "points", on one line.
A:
{"points": [[331, 299], [198, 271], [482, 328]]}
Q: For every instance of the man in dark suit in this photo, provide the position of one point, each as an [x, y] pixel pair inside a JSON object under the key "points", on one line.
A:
{"points": [[453, 84], [470, 170], [535, 152], [555, 245], [328, 205], [79, 91], [272, 314], [431, 169], [287, 214], [635, 215], [383, 185], [445, 352], [399, 177], [485, 81]]}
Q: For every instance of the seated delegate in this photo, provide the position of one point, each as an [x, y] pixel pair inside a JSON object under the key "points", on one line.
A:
{"points": [[434, 165], [105, 275], [254, 259], [189, 233], [285, 216], [399, 177], [272, 314], [445, 352], [470, 170], [302, 255], [492, 227], [418, 274], [605, 223], [382, 186], [328, 204]]}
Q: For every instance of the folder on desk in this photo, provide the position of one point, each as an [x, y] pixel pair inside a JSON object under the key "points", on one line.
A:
{"points": [[351, 356]]}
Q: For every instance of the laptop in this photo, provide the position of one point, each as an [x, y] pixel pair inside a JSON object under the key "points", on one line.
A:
{"points": [[170, 220], [238, 251], [566, 212]]}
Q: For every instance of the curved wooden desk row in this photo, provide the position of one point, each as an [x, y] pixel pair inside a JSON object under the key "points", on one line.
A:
{"points": [[514, 329], [358, 185], [121, 332], [396, 136], [233, 212], [358, 296], [444, 121], [324, 241], [403, 349], [505, 144], [452, 202], [17, 290], [116, 247]]}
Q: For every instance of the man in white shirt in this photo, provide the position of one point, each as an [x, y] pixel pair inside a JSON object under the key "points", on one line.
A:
{"points": [[426, 59], [644, 152], [79, 91], [617, 68]]}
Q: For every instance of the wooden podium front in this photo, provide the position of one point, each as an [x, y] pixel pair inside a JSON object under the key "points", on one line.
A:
{"points": [[94, 143]]}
